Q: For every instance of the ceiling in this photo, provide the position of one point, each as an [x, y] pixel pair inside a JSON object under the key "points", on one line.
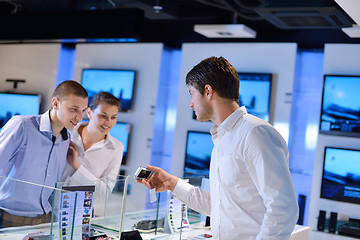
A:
{"points": [[310, 23]]}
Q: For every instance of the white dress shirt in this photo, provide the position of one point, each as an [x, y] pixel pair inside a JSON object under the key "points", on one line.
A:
{"points": [[252, 195], [100, 163]]}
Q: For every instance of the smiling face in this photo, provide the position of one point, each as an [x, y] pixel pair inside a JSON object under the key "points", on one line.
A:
{"points": [[103, 117], [70, 110], [200, 105]]}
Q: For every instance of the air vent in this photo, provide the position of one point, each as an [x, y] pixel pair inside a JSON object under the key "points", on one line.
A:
{"points": [[306, 17]]}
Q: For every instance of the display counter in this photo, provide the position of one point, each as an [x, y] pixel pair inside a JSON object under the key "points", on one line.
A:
{"points": [[79, 212]]}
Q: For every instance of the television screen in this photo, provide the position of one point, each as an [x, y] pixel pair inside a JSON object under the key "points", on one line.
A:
{"points": [[199, 146], [341, 175], [255, 89], [121, 131], [12, 104], [340, 108], [118, 82]]}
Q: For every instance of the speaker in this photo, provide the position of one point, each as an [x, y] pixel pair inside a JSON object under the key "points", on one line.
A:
{"points": [[321, 220], [301, 202], [333, 222], [207, 222]]}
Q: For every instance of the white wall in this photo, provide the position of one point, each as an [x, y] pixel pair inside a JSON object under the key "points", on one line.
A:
{"points": [[276, 58], [145, 59], [36, 63], [338, 59]]}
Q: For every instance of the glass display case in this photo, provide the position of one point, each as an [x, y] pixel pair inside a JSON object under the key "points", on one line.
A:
{"points": [[79, 212]]}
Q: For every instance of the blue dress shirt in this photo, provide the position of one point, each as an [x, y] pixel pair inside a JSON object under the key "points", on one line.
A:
{"points": [[30, 152]]}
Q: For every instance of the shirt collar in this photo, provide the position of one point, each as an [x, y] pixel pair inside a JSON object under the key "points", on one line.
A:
{"points": [[229, 122], [45, 126], [45, 123], [110, 140]]}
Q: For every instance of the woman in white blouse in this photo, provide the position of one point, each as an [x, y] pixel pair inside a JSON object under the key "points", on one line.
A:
{"points": [[95, 156]]}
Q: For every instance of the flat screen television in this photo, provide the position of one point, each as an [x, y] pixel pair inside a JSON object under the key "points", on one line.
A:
{"points": [[341, 175], [255, 91], [12, 104], [118, 82], [199, 146], [340, 107], [121, 131]]}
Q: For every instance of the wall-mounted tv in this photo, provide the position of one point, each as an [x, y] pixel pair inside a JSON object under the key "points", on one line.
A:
{"points": [[199, 146], [255, 91], [341, 175], [12, 104], [118, 82], [340, 107], [121, 131]]}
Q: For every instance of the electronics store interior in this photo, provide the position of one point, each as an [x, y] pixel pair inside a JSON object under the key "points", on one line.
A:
{"points": [[298, 64]]}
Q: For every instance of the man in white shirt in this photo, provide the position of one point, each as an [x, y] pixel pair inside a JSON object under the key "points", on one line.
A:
{"points": [[251, 193]]}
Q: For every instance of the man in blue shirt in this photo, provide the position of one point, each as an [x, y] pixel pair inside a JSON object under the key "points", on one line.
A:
{"points": [[33, 149]]}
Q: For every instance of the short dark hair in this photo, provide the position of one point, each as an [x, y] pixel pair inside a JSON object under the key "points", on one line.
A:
{"points": [[67, 88], [104, 97], [219, 74]]}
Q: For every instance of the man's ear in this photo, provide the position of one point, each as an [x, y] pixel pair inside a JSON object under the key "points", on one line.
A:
{"points": [[88, 112], [55, 103], [209, 92]]}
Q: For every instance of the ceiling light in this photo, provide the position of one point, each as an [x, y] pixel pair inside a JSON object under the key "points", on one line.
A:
{"points": [[353, 32], [225, 30]]}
